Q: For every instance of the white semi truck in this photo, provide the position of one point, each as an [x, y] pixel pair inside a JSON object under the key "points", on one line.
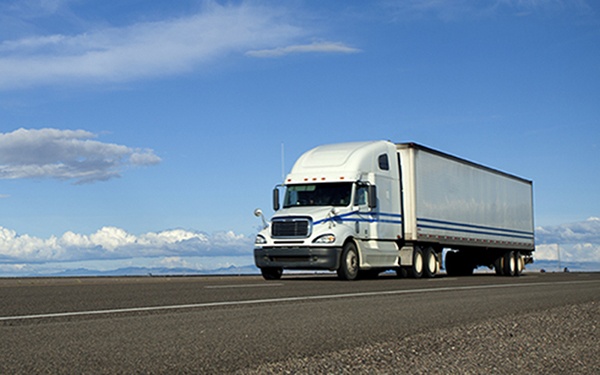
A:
{"points": [[363, 208]]}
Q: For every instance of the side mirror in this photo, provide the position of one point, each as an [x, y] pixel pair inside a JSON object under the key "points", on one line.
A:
{"points": [[372, 196], [276, 199], [258, 213]]}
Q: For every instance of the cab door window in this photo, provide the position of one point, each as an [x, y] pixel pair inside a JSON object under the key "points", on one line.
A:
{"points": [[361, 196]]}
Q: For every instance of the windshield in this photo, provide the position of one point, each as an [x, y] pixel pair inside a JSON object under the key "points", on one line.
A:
{"points": [[330, 194]]}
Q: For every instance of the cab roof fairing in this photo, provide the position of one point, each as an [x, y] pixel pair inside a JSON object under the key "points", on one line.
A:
{"points": [[343, 162]]}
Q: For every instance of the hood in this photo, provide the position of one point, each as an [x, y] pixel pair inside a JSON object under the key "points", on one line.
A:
{"points": [[317, 213]]}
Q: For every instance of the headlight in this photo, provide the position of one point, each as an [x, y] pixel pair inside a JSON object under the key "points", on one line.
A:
{"points": [[326, 238], [260, 240]]}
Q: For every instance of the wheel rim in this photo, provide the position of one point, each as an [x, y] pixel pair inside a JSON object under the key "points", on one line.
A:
{"points": [[432, 263], [418, 262], [519, 263], [512, 265], [351, 262]]}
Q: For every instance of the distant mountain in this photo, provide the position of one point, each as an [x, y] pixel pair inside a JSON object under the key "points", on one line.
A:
{"points": [[157, 271], [553, 266], [546, 265]]}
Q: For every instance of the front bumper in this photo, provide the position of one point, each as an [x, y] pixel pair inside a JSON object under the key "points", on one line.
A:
{"points": [[299, 258]]}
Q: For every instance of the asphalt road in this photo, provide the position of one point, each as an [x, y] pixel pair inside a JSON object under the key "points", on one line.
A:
{"points": [[228, 324]]}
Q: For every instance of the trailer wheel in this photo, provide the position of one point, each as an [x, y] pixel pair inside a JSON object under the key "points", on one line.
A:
{"points": [[509, 263], [348, 262], [519, 264], [271, 273], [416, 270], [431, 263], [499, 265]]}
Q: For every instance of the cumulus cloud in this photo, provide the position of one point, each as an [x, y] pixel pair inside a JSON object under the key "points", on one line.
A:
{"points": [[115, 243], [144, 49], [66, 155], [587, 231], [576, 242], [320, 47]]}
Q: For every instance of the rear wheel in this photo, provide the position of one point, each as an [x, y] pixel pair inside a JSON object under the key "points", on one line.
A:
{"points": [[431, 263], [348, 262], [510, 264], [416, 270], [271, 273], [520, 263], [499, 265]]}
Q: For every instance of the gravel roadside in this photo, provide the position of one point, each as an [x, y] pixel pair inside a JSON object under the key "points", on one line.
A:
{"points": [[562, 340]]}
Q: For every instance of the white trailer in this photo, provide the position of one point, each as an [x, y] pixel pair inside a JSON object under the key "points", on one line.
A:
{"points": [[363, 208]]}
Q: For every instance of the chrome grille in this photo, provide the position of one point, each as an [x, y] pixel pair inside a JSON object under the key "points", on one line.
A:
{"points": [[290, 228]]}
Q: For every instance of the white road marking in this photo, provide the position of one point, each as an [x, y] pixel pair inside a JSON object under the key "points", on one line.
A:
{"points": [[242, 286], [284, 299]]}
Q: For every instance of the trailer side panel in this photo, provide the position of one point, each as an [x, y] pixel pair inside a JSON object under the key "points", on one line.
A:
{"points": [[457, 203]]}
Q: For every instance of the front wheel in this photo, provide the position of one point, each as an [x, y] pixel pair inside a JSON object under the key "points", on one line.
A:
{"points": [[348, 262]]}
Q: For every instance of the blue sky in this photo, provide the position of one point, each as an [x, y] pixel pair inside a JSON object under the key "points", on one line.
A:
{"points": [[146, 132]]}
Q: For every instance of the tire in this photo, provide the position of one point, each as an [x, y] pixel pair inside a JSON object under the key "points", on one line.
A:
{"points": [[416, 270], [499, 265], [520, 264], [349, 263], [510, 265], [430, 263], [271, 273]]}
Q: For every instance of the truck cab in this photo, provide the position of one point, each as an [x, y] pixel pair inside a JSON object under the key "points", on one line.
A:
{"points": [[341, 211]]}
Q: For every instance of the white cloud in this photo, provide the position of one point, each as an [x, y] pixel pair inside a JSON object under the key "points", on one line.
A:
{"points": [[320, 47], [175, 262], [115, 243], [144, 49], [587, 231], [66, 155], [585, 252], [576, 242]]}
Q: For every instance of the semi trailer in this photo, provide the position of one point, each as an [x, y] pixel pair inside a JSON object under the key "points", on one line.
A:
{"points": [[363, 208]]}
